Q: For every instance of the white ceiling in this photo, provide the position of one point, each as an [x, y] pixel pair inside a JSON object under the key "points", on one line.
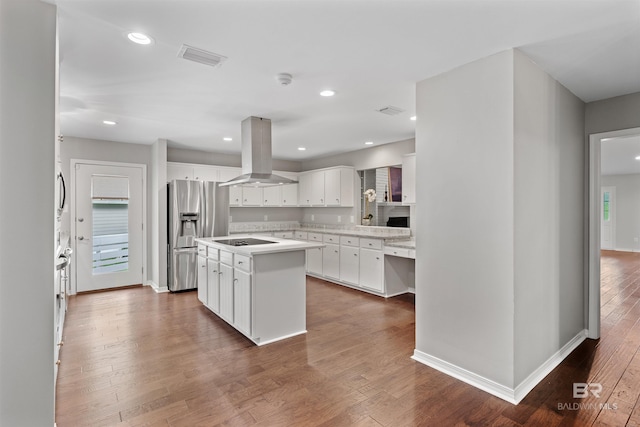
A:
{"points": [[371, 53]]}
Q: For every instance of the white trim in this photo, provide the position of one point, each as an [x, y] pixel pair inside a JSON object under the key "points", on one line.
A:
{"points": [[295, 334], [592, 303], [72, 207], [511, 395], [157, 289], [545, 369], [485, 384]]}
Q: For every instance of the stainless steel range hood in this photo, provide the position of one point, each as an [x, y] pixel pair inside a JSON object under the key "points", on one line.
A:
{"points": [[257, 167]]}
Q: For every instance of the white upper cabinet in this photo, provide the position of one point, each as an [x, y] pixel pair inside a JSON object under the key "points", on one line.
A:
{"points": [[235, 195], [343, 195], [290, 195], [179, 171], [251, 196], [409, 179], [205, 173], [272, 196], [304, 189], [327, 187]]}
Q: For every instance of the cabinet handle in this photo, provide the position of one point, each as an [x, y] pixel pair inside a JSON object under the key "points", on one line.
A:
{"points": [[186, 177], [265, 200], [335, 251], [377, 257], [355, 254], [321, 200], [58, 362], [220, 273], [215, 271], [338, 200], [61, 343], [239, 262], [235, 280], [204, 266]]}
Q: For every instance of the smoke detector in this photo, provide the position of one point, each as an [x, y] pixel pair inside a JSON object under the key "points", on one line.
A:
{"points": [[284, 79]]}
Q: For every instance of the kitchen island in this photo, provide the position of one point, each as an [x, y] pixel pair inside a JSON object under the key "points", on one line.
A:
{"points": [[258, 286]]}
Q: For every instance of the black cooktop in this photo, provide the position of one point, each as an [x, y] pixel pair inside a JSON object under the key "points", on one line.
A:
{"points": [[244, 242]]}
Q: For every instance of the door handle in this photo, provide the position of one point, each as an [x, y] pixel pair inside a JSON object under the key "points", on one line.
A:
{"points": [[83, 238]]}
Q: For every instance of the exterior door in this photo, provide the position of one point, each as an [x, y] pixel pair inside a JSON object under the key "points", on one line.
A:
{"points": [[108, 225], [608, 218]]}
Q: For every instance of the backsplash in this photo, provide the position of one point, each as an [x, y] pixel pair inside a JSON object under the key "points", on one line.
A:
{"points": [[268, 226]]}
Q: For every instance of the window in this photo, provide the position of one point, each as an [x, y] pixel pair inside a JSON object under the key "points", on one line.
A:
{"points": [[605, 206]]}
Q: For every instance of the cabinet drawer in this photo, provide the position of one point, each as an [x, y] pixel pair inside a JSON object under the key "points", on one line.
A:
{"points": [[401, 252], [301, 235], [284, 234], [349, 241], [370, 243], [202, 250], [242, 262], [315, 237], [226, 257], [212, 253], [331, 238]]}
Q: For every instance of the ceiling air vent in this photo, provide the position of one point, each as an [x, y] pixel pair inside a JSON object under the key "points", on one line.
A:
{"points": [[202, 56], [390, 110]]}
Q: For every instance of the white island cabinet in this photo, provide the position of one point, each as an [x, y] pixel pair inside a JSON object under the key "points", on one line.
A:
{"points": [[262, 288]]}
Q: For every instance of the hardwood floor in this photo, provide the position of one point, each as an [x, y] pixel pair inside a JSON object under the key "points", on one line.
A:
{"points": [[133, 358]]}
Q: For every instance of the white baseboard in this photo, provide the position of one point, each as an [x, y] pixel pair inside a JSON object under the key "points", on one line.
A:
{"points": [[543, 370], [511, 395], [157, 289]]}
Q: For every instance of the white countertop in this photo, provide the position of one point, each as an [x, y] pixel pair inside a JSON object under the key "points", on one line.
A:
{"points": [[279, 245], [407, 244]]}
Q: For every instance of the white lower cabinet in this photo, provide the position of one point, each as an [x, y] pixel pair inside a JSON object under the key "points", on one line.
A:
{"points": [[213, 285], [314, 261], [226, 292], [202, 279], [349, 264], [331, 261], [242, 301], [372, 269]]}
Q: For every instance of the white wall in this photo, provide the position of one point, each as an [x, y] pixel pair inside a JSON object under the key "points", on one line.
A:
{"points": [[464, 264], [27, 185], [549, 211], [627, 209], [184, 155], [366, 158], [620, 112], [158, 209], [499, 278]]}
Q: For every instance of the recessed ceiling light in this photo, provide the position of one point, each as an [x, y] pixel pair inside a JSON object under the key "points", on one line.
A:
{"points": [[637, 157], [139, 38], [109, 122], [327, 93], [413, 118], [368, 143], [226, 138], [301, 148]]}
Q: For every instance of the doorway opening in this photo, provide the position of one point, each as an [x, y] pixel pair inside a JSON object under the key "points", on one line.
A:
{"points": [[599, 207], [108, 211]]}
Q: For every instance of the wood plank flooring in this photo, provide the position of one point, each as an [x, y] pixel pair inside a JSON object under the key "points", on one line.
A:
{"points": [[135, 358]]}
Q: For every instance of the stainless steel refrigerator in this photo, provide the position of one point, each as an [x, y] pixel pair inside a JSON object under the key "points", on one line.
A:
{"points": [[196, 209]]}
